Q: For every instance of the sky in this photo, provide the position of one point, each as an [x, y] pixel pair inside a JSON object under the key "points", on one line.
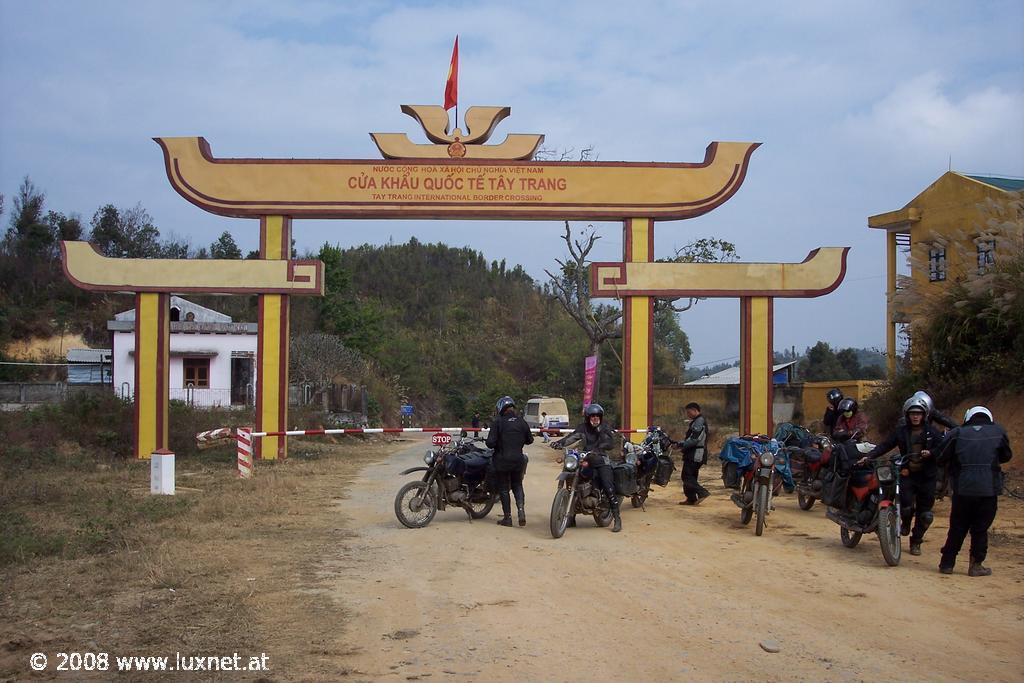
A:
{"points": [[859, 106]]}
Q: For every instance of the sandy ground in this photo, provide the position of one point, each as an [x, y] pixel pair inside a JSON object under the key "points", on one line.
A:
{"points": [[681, 592]]}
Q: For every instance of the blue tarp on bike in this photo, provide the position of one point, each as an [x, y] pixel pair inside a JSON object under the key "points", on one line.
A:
{"points": [[743, 452]]}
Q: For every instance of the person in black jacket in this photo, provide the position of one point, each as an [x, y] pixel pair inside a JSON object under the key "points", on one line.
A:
{"points": [[834, 396], [694, 445], [974, 452], [597, 439], [507, 437], [934, 416], [916, 438]]}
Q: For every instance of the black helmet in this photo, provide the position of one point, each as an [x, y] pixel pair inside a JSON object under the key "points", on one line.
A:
{"points": [[594, 409], [834, 396], [505, 402], [847, 405]]}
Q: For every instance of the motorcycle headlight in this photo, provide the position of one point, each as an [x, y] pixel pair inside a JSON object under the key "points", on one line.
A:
{"points": [[571, 461], [884, 474], [767, 459], [429, 457]]}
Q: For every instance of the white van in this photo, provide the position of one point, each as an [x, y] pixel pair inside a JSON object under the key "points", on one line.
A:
{"points": [[558, 413]]}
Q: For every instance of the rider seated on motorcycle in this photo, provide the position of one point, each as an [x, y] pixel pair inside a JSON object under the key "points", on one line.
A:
{"points": [[851, 424], [834, 396], [597, 439], [919, 440]]}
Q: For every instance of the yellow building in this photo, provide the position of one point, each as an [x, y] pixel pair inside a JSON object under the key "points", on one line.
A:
{"points": [[944, 230]]}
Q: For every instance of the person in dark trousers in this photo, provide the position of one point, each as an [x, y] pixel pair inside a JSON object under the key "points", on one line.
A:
{"points": [[507, 437], [476, 422], [834, 396], [597, 439], [694, 447], [974, 452], [916, 438]]}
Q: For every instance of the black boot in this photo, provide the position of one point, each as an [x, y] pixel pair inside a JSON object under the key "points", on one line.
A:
{"points": [[616, 517], [505, 521], [522, 517], [977, 569]]}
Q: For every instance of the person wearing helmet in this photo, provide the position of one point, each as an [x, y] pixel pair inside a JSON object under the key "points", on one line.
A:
{"points": [[850, 423], [933, 415], [693, 447], [834, 396], [974, 452], [914, 437], [507, 437], [597, 439]]}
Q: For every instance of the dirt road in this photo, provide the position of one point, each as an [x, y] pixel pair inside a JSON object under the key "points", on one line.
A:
{"points": [[681, 592]]}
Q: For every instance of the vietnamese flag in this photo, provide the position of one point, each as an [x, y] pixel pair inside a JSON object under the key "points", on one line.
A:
{"points": [[451, 87]]}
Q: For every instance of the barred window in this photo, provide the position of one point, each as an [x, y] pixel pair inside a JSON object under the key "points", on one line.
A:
{"points": [[936, 264]]}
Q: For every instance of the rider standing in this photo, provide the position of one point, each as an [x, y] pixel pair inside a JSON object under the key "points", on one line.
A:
{"points": [[507, 437], [694, 446], [918, 439], [597, 439], [974, 452]]}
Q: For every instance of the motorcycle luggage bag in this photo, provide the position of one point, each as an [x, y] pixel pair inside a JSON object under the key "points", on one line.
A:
{"points": [[730, 475], [624, 477], [833, 488], [663, 472]]}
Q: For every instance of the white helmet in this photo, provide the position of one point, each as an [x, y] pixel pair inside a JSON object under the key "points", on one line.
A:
{"points": [[971, 412], [929, 405], [916, 402]]}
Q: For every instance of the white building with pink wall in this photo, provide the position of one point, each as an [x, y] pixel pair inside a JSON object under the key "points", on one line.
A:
{"points": [[213, 358]]}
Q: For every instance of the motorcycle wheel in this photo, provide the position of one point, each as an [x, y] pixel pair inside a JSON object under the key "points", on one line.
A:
{"points": [[603, 519], [481, 510], [849, 538], [559, 513], [805, 502], [761, 508], [415, 505], [889, 536]]}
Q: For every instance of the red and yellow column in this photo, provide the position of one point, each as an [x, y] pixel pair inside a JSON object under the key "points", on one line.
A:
{"points": [[272, 346], [637, 333], [152, 361], [756, 364], [890, 292]]}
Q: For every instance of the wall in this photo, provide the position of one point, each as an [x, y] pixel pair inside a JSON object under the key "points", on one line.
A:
{"points": [[803, 403]]}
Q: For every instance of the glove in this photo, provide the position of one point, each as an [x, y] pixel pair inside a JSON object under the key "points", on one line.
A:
{"points": [[556, 446]]}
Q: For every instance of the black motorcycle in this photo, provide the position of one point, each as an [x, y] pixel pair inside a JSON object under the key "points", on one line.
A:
{"points": [[653, 463], [578, 494], [456, 475]]}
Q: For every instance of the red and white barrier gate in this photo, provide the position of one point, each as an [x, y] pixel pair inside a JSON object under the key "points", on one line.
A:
{"points": [[245, 436]]}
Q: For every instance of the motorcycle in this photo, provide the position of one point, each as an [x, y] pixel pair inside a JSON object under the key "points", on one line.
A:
{"points": [[653, 463], [872, 504], [759, 483], [808, 465], [455, 475], [578, 494]]}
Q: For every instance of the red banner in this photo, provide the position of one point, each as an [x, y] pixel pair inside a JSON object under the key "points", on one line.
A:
{"points": [[451, 86], [589, 375]]}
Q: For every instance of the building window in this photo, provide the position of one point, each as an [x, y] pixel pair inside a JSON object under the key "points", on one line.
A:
{"points": [[197, 372], [936, 264], [986, 255]]}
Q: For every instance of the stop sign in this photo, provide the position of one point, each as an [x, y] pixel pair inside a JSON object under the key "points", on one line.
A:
{"points": [[441, 439]]}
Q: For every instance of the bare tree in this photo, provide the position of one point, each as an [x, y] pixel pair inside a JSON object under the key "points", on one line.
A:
{"points": [[572, 289], [319, 359]]}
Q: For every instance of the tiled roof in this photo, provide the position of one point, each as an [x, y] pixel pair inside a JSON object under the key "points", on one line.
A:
{"points": [[1008, 184]]}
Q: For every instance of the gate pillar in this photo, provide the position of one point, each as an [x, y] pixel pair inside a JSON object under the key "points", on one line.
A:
{"points": [[756, 364], [152, 362], [272, 346], [637, 332]]}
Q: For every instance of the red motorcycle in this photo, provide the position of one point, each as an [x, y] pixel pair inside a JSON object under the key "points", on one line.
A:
{"points": [[808, 465]]}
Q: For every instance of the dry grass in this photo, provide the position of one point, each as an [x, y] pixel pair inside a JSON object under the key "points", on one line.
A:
{"points": [[224, 566]]}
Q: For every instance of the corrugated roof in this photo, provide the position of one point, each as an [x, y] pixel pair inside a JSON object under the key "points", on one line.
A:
{"points": [[732, 375], [1008, 184]]}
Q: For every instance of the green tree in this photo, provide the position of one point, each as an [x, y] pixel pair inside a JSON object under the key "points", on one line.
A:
{"points": [[125, 233], [821, 364], [29, 236], [225, 248]]}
